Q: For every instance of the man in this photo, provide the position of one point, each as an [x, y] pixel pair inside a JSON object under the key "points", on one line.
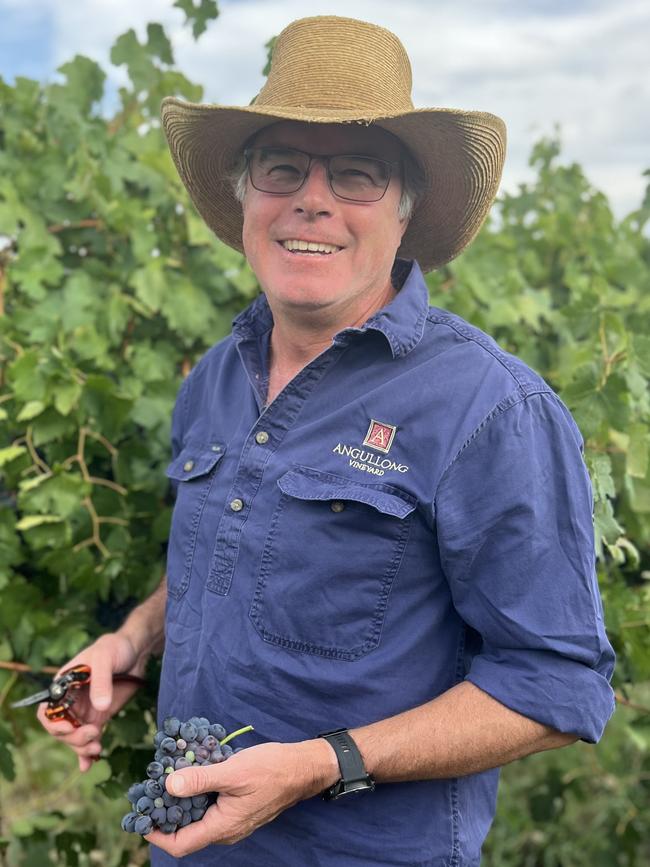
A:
{"points": [[383, 521]]}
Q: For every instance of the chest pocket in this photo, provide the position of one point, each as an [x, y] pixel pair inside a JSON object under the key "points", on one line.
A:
{"points": [[191, 474], [330, 559]]}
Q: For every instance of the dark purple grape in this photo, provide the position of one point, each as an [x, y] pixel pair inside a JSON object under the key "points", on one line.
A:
{"points": [[158, 756], [217, 756], [128, 822], [227, 750], [159, 816], [193, 745], [169, 800], [167, 762], [168, 828], [185, 803], [210, 742], [197, 813], [155, 770], [168, 746], [238, 750], [182, 763], [217, 730], [175, 814], [144, 805], [202, 753], [135, 791], [202, 732], [158, 738], [171, 726], [199, 801], [203, 721], [186, 820], [153, 789], [143, 825], [188, 731]]}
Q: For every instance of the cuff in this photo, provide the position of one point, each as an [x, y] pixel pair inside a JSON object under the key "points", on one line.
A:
{"points": [[558, 692]]}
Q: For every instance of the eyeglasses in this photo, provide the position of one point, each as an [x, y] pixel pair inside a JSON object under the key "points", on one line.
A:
{"points": [[353, 177]]}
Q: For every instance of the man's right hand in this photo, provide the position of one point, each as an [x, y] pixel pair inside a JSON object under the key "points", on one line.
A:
{"points": [[111, 654]]}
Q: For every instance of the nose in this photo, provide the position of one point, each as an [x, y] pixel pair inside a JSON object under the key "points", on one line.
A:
{"points": [[315, 196]]}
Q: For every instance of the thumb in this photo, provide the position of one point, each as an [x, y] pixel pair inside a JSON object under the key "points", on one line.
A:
{"points": [[101, 686], [196, 780]]}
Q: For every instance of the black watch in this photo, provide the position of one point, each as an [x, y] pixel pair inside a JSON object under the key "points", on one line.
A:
{"points": [[354, 777]]}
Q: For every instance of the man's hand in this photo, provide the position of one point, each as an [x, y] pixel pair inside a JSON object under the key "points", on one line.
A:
{"points": [[110, 654], [255, 785]]}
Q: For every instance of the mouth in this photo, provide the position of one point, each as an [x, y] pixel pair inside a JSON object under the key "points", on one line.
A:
{"points": [[298, 247]]}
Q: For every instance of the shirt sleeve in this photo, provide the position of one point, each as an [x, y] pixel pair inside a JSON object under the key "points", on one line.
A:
{"points": [[514, 514]]}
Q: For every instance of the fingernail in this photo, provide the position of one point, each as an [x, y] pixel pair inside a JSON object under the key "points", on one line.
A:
{"points": [[178, 784], [102, 702]]}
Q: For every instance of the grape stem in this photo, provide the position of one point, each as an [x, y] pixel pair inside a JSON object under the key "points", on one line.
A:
{"points": [[235, 734]]}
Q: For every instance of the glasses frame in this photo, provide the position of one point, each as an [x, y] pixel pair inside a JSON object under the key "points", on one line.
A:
{"points": [[249, 152]]}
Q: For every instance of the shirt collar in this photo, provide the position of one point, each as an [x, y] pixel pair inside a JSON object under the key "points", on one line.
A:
{"points": [[401, 322]]}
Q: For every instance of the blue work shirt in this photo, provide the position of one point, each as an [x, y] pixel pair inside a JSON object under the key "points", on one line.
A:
{"points": [[411, 511]]}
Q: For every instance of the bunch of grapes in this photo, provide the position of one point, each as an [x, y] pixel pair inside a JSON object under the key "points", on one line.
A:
{"points": [[178, 745]]}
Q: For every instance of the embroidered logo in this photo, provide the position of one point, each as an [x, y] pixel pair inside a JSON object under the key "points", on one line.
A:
{"points": [[380, 436]]}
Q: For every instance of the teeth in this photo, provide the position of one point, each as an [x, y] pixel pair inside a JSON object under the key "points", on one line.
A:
{"points": [[309, 246]]}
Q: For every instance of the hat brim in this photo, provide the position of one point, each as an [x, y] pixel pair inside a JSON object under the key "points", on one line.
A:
{"points": [[461, 154]]}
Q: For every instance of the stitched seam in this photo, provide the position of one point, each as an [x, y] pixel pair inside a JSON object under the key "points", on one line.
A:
{"points": [[508, 402], [497, 354], [189, 553], [373, 630]]}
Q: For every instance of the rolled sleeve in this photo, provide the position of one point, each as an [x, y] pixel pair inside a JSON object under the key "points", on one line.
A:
{"points": [[515, 531]]}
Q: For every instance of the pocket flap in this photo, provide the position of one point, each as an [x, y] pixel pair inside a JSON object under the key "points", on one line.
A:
{"points": [[194, 461], [305, 483]]}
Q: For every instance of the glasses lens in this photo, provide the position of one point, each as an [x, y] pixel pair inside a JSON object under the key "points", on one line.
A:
{"points": [[277, 170], [362, 179]]}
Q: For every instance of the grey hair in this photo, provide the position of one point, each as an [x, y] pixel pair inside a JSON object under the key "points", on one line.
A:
{"points": [[412, 184]]}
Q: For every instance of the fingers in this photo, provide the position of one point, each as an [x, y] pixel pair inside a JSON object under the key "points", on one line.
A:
{"points": [[85, 764], [85, 740], [198, 835]]}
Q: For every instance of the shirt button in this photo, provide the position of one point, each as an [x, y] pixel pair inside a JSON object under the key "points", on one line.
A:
{"points": [[237, 505], [337, 506], [215, 448], [188, 465], [261, 437]]}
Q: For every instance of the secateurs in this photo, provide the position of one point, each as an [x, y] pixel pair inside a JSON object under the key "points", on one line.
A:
{"points": [[61, 694]]}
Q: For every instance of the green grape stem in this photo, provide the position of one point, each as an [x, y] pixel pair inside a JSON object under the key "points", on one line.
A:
{"points": [[236, 734]]}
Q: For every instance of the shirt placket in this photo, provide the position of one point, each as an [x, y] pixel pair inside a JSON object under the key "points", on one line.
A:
{"points": [[263, 439]]}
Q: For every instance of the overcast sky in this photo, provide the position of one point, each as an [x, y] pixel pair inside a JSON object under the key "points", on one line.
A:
{"points": [[583, 64]]}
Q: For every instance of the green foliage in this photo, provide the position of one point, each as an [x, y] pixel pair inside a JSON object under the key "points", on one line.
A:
{"points": [[198, 13], [111, 288]]}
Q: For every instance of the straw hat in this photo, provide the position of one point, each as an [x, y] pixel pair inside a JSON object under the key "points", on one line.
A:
{"points": [[328, 69]]}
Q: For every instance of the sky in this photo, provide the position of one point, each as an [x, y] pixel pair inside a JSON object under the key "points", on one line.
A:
{"points": [[583, 65]]}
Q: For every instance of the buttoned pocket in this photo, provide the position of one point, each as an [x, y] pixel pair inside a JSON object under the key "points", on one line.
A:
{"points": [[331, 555], [191, 474]]}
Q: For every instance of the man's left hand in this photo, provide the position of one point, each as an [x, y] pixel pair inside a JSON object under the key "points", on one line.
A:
{"points": [[254, 786]]}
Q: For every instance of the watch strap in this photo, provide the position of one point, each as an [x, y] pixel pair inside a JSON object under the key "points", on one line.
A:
{"points": [[354, 777]]}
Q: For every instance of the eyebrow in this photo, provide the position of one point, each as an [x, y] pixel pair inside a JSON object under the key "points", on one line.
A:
{"points": [[361, 152]]}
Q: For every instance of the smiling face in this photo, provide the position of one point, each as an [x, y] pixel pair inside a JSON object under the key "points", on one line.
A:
{"points": [[349, 277]]}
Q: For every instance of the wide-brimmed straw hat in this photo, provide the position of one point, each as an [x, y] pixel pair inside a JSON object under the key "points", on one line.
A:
{"points": [[329, 69]]}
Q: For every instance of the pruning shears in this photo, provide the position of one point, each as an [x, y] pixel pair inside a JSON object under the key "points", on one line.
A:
{"points": [[62, 693]]}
